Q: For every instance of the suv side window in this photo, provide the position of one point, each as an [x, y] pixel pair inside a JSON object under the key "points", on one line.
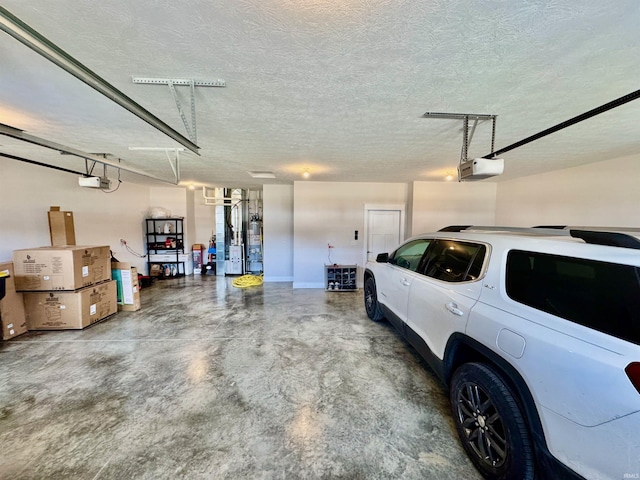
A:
{"points": [[455, 261], [409, 255], [600, 295]]}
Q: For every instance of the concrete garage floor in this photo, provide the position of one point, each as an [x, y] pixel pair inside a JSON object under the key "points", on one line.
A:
{"points": [[209, 381]]}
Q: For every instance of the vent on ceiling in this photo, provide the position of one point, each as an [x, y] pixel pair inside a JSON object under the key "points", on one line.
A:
{"points": [[262, 174]]}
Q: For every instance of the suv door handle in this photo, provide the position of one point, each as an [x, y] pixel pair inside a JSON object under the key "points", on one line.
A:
{"points": [[405, 282], [453, 308]]}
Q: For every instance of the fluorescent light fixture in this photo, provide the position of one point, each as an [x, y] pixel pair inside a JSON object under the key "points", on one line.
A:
{"points": [[38, 43], [262, 174]]}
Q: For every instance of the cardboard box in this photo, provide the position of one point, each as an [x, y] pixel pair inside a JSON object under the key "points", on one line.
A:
{"points": [[12, 315], [155, 270], [126, 276], [61, 227], [61, 268], [197, 252], [60, 310]]}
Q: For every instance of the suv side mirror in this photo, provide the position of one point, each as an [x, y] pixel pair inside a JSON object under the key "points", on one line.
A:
{"points": [[382, 258]]}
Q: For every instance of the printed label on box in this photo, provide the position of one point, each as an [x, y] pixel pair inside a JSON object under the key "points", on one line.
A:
{"points": [[85, 271], [93, 309]]}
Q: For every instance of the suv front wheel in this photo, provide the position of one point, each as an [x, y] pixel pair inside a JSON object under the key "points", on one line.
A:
{"points": [[490, 424], [371, 300]]}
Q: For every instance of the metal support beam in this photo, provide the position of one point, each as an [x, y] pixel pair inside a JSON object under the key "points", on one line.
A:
{"points": [[180, 81], [25, 137], [172, 82], [38, 43], [191, 131], [459, 116]]}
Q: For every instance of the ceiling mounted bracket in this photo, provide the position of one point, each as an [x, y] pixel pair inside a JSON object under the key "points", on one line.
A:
{"points": [[172, 82], [467, 130], [174, 164]]}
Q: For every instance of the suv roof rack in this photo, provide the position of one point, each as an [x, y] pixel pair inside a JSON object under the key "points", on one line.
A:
{"points": [[455, 228], [612, 239], [524, 230], [608, 236]]}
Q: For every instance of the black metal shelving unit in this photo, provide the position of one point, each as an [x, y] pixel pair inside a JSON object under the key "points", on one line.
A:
{"points": [[165, 245]]}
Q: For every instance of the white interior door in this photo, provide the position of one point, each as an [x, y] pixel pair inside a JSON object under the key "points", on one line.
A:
{"points": [[383, 231]]}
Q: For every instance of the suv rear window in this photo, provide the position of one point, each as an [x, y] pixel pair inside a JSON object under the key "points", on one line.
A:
{"points": [[600, 295]]}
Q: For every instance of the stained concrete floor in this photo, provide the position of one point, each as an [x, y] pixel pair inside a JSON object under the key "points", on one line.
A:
{"points": [[208, 381]]}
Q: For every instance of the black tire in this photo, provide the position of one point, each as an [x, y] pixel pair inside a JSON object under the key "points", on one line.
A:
{"points": [[371, 304], [490, 424]]}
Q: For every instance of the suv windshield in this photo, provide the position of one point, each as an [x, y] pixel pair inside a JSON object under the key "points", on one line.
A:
{"points": [[600, 295]]}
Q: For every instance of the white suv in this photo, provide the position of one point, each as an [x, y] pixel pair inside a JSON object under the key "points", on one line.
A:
{"points": [[536, 333]]}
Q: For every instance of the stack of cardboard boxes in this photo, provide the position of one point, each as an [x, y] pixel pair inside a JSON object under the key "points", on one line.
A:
{"points": [[64, 286]]}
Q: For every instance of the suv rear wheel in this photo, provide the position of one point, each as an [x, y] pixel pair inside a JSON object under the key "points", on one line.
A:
{"points": [[490, 424]]}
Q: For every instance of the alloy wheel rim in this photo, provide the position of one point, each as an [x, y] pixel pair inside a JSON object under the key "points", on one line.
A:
{"points": [[368, 299], [482, 425]]}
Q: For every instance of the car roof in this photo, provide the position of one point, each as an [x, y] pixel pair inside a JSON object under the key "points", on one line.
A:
{"points": [[621, 245]]}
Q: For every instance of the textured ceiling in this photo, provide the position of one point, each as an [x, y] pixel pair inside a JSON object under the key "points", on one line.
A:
{"points": [[335, 86]]}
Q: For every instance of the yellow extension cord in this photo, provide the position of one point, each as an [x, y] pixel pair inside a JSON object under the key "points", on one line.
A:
{"points": [[246, 281]]}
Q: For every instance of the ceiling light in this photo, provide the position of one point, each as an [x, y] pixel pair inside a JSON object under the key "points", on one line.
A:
{"points": [[192, 187], [305, 173], [262, 174], [449, 177]]}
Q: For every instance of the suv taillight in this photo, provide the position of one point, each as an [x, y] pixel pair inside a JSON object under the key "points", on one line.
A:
{"points": [[633, 372]]}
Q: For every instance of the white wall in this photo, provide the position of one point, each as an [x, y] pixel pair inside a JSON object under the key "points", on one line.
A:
{"points": [[277, 230], [330, 212], [172, 198], [100, 218], [205, 219], [600, 194], [439, 204]]}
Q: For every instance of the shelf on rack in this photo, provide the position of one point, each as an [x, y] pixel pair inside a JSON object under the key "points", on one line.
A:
{"points": [[165, 247]]}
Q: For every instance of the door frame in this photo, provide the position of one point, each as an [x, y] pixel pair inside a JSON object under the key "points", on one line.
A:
{"points": [[385, 207]]}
